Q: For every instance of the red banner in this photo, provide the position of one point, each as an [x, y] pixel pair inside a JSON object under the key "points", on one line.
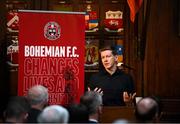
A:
{"points": [[51, 53], [134, 6]]}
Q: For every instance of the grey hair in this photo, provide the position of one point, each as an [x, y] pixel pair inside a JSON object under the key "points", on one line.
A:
{"points": [[37, 94], [92, 100], [54, 114]]}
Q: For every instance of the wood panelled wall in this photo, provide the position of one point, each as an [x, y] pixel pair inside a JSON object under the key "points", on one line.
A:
{"points": [[4, 74], [161, 66], [162, 57], [159, 72]]}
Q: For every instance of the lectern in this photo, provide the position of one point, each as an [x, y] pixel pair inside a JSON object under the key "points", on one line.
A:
{"points": [[110, 114]]}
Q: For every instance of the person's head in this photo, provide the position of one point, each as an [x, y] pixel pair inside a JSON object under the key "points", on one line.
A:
{"points": [[78, 113], [38, 96], [108, 57], [147, 110], [17, 109], [93, 101], [121, 121], [53, 114]]}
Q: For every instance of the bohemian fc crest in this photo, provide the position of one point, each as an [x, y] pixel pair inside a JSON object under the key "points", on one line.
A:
{"points": [[52, 31]]}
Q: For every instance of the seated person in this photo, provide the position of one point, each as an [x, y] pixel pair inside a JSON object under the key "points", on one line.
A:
{"points": [[17, 110], [147, 110], [54, 114], [93, 101], [38, 98], [78, 113]]}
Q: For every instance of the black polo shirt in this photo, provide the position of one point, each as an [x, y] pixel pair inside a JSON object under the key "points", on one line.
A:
{"points": [[113, 86]]}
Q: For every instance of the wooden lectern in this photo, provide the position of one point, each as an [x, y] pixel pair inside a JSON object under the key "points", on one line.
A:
{"points": [[110, 114]]}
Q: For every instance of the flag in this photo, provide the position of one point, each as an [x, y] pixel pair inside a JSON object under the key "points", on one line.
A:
{"points": [[134, 6]]}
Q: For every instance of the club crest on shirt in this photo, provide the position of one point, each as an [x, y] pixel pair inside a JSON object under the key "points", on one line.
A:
{"points": [[52, 31]]}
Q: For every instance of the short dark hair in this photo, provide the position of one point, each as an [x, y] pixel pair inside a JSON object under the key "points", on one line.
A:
{"points": [[108, 47], [78, 113], [16, 106]]}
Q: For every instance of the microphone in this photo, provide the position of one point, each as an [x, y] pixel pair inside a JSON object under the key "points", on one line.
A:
{"points": [[125, 66]]}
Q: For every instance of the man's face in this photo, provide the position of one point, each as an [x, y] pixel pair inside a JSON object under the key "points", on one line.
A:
{"points": [[108, 59]]}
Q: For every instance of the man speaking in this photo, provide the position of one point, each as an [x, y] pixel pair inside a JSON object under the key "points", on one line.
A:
{"points": [[116, 86]]}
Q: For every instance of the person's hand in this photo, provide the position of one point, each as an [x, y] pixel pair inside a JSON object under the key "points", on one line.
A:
{"points": [[128, 98], [98, 90]]}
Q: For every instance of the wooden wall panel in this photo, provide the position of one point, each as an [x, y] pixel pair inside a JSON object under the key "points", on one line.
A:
{"points": [[162, 60], [4, 85]]}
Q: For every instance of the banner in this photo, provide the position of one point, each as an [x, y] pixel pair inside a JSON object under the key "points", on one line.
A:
{"points": [[134, 6], [51, 53]]}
